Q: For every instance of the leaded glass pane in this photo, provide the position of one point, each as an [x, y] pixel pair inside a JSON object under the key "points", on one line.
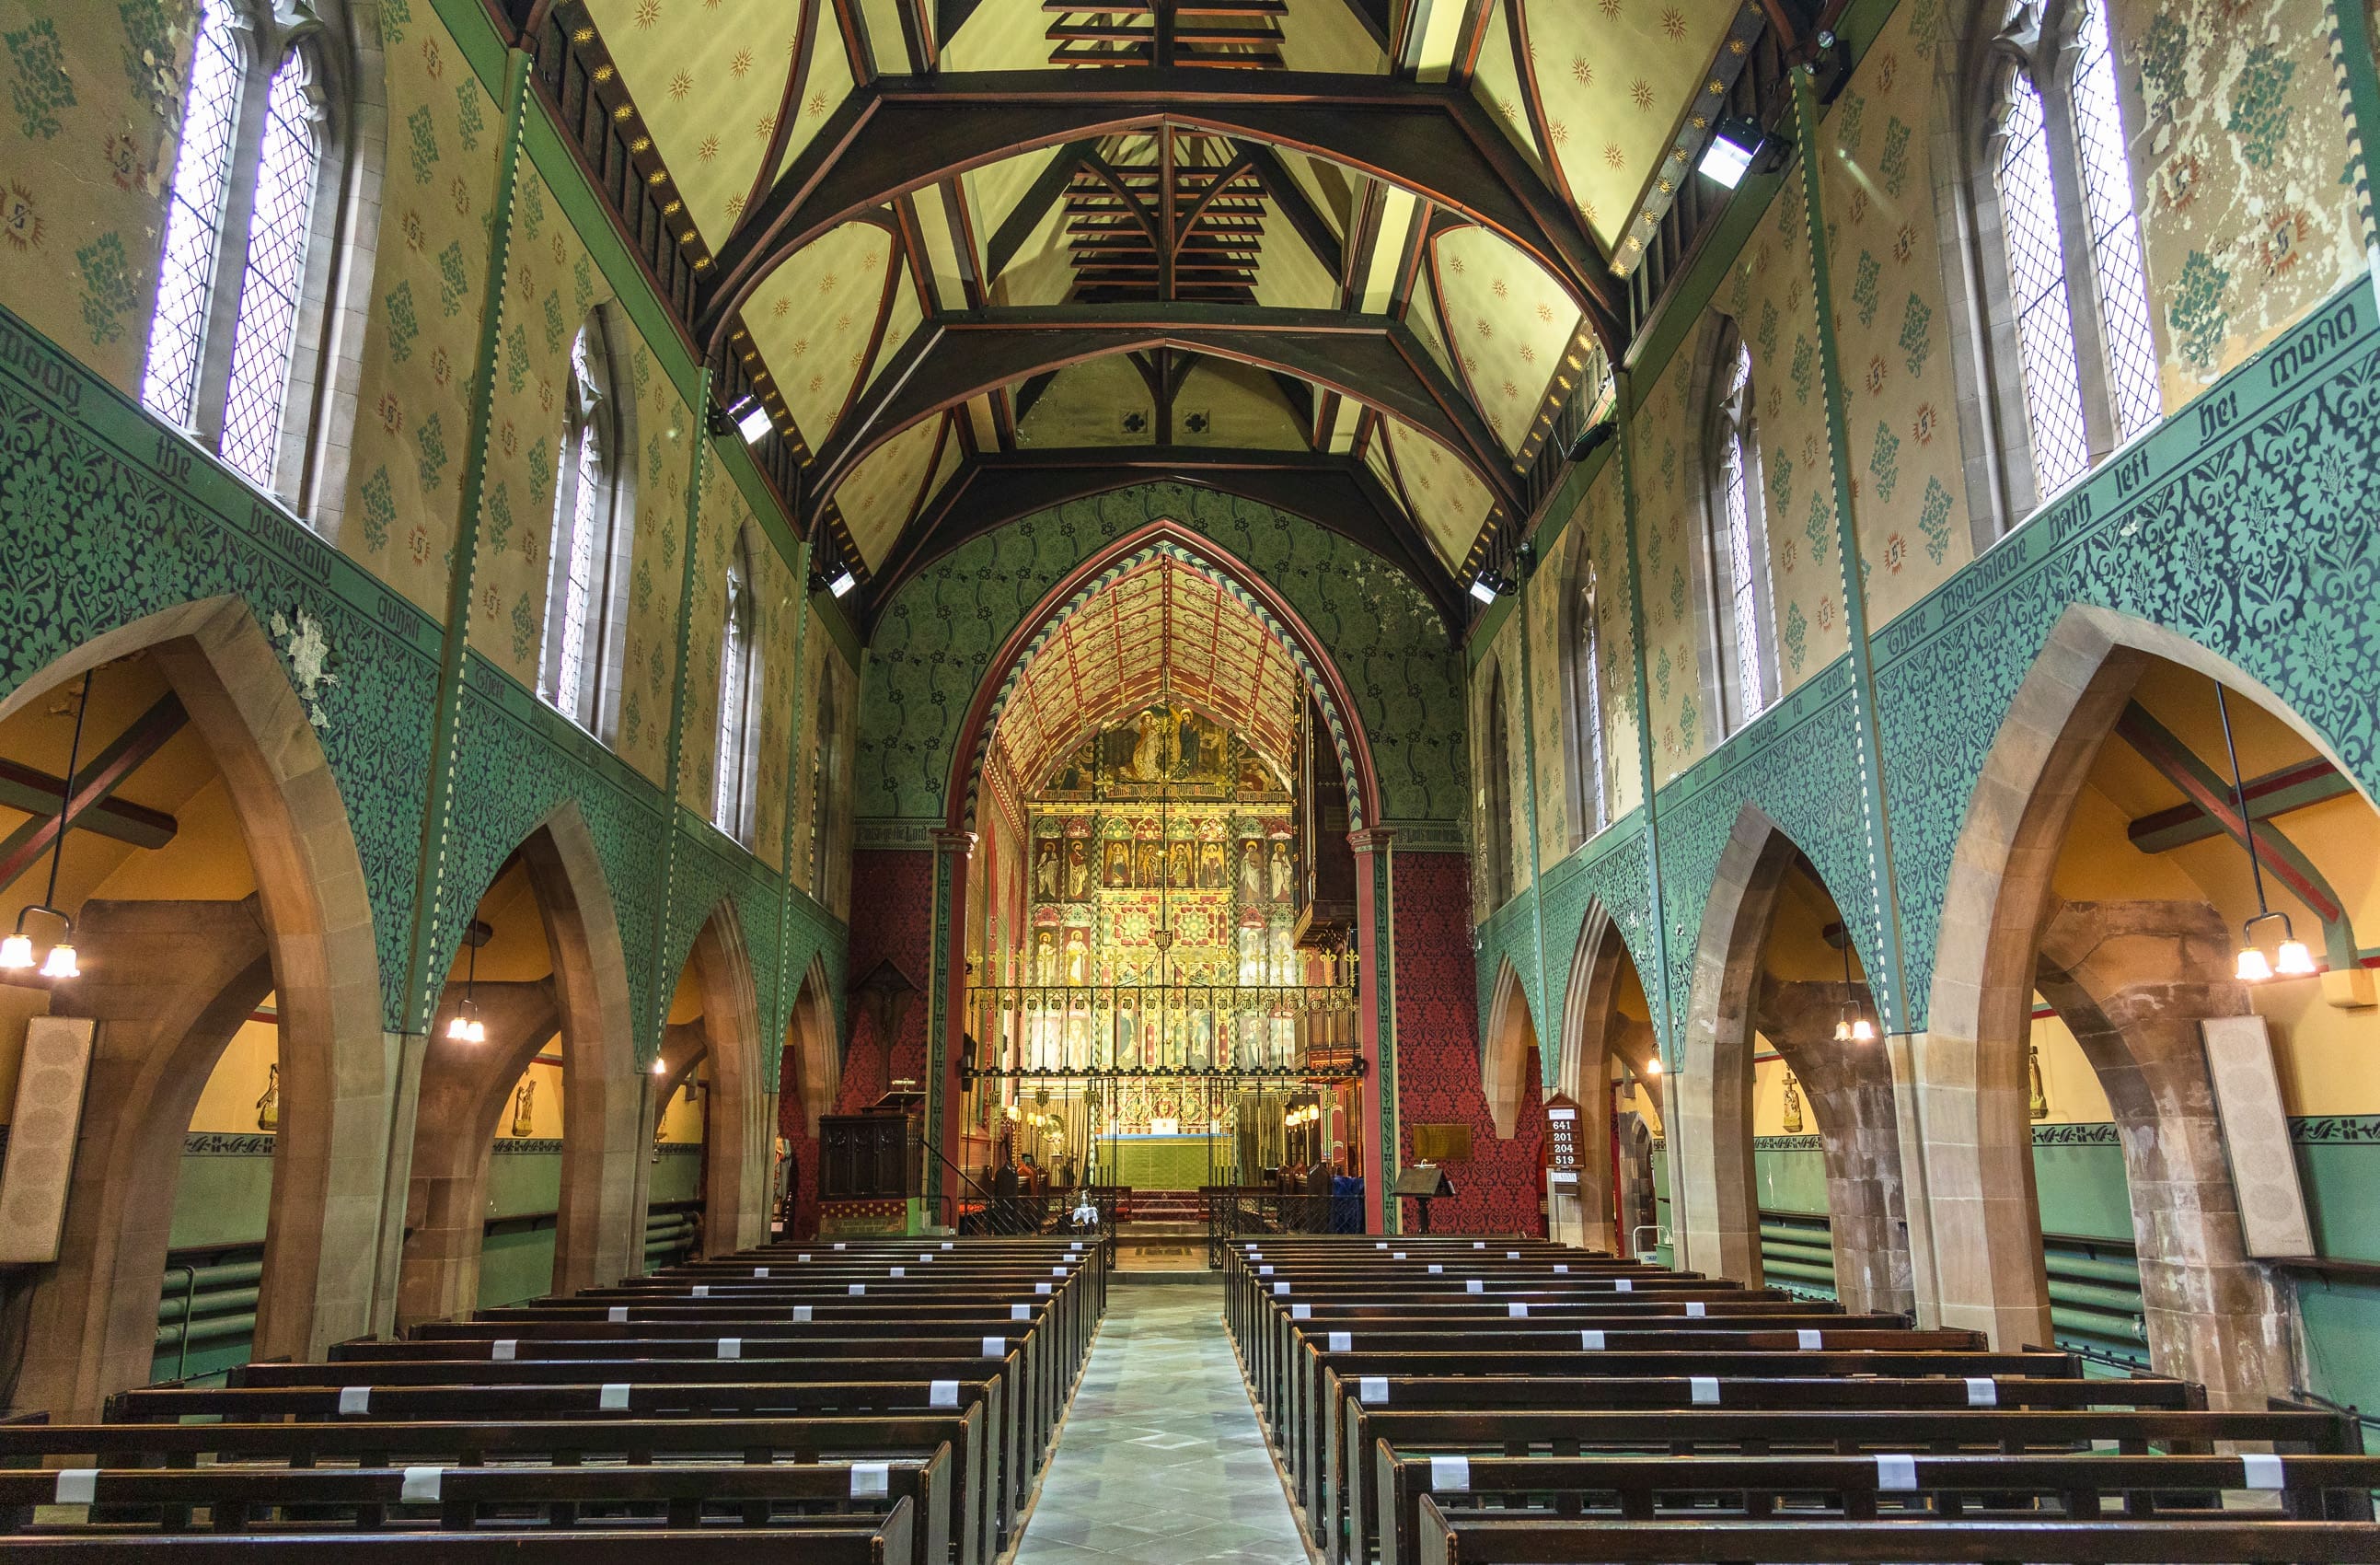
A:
{"points": [[275, 276], [194, 210], [578, 511], [1735, 464], [2053, 387], [1590, 709], [2115, 230], [734, 657]]}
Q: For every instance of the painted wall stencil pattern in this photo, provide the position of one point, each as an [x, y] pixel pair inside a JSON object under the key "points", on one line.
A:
{"points": [[1899, 397], [413, 392], [2240, 169], [94, 110]]}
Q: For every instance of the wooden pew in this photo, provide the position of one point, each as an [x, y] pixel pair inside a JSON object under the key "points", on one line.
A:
{"points": [[954, 1511], [1009, 1429], [159, 1502], [1838, 1417], [822, 1541], [1920, 1488], [1469, 1539]]}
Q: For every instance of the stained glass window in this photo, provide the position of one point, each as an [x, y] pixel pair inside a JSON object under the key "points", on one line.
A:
{"points": [[2045, 320], [579, 509], [275, 276], [1737, 499], [194, 217], [2115, 230], [729, 803], [1590, 708]]}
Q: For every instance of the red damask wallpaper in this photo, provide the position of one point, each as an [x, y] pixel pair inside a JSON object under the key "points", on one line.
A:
{"points": [[892, 916], [1438, 1055]]}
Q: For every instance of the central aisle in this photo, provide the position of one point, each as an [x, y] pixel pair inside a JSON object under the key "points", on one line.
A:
{"points": [[1160, 1461]]}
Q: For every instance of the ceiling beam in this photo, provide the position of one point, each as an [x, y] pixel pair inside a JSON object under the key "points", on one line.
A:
{"points": [[92, 805], [1039, 197], [1290, 197], [895, 135], [1372, 359], [1336, 493]]}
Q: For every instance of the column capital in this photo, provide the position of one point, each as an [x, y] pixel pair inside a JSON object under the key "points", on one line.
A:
{"points": [[1371, 839], [948, 839]]}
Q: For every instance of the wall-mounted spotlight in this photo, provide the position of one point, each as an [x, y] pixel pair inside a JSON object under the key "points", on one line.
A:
{"points": [[1593, 438], [1739, 147], [843, 582], [1487, 586], [752, 421]]}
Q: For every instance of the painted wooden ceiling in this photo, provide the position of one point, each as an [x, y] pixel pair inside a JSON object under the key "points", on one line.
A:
{"points": [[1591, 98], [1162, 630]]}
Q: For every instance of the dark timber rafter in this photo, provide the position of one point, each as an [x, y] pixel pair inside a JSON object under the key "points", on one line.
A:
{"points": [[1372, 359], [893, 136], [1335, 492]]}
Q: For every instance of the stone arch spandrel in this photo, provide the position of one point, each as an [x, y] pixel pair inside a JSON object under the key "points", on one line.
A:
{"points": [[330, 1250]]}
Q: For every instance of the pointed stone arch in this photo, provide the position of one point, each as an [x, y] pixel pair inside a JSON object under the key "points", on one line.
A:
{"points": [[1504, 1050], [1595, 1032], [1974, 1217], [465, 1087], [741, 1110], [331, 1244]]}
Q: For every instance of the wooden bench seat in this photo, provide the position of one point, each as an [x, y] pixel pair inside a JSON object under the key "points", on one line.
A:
{"points": [[960, 1501], [818, 1541], [672, 1496], [1915, 1487], [1470, 1538], [1347, 1529]]}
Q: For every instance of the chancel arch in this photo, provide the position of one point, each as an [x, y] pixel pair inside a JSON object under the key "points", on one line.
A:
{"points": [[1163, 911], [217, 905]]}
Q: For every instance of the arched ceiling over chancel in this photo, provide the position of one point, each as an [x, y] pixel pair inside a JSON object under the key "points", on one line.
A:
{"points": [[1372, 246], [1161, 628]]}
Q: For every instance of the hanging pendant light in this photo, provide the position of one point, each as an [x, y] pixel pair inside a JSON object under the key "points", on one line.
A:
{"points": [[2290, 960], [466, 1027], [16, 950], [1852, 1023]]}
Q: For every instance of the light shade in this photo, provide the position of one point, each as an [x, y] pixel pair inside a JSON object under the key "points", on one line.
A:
{"points": [[1842, 1032], [459, 1029], [660, 1065], [1653, 1066], [16, 953], [478, 1032], [2253, 968], [753, 423], [1862, 1031], [2293, 960], [842, 583], [61, 963], [1732, 147]]}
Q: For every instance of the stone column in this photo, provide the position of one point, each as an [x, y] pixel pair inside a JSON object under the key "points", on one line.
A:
{"points": [[945, 1023], [464, 1092], [2135, 980], [169, 984], [1850, 1088], [1374, 1016]]}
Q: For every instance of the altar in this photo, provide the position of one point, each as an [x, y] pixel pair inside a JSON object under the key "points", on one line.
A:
{"points": [[1164, 1162]]}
